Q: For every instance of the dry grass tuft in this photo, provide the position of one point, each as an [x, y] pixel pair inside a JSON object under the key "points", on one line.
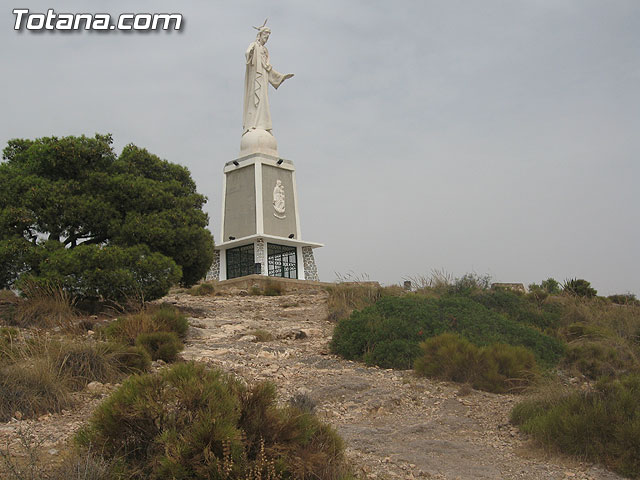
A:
{"points": [[203, 290], [46, 306], [262, 335], [344, 298], [29, 390]]}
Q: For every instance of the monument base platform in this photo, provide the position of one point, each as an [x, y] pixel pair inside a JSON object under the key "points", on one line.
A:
{"points": [[266, 255]]}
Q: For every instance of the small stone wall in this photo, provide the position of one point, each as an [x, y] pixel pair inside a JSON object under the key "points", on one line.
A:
{"points": [[214, 271], [516, 287], [288, 284], [309, 263]]}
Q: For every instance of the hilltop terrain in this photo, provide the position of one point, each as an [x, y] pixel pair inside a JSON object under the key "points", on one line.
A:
{"points": [[395, 424]]}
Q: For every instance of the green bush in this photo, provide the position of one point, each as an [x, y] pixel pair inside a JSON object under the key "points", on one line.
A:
{"points": [[518, 307], [169, 319], [580, 330], [469, 283], [388, 333], [602, 425], [624, 299], [579, 287], [549, 286], [189, 422], [160, 345], [497, 368], [597, 358], [131, 360], [111, 273]]}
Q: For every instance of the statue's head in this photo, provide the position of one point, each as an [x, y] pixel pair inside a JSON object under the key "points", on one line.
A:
{"points": [[263, 32], [263, 35]]}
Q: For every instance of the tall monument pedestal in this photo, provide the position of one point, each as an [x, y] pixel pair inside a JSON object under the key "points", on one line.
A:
{"points": [[260, 219], [260, 215]]}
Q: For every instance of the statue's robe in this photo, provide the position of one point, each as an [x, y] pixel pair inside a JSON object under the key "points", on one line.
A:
{"points": [[258, 75]]}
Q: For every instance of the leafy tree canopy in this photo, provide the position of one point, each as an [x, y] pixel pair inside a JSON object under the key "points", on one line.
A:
{"points": [[73, 211]]}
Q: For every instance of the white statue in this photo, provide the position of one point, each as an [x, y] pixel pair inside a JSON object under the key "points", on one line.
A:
{"points": [[259, 74], [278, 200]]}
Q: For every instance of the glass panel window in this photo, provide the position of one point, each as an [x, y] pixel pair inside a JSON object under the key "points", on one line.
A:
{"points": [[282, 261], [240, 261]]}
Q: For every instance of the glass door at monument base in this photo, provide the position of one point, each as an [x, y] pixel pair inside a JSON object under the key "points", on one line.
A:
{"points": [[282, 261], [240, 261]]}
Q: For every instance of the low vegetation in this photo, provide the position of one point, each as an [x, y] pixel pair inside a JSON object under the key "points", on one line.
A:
{"points": [[501, 340], [345, 297], [602, 425], [388, 333], [189, 422], [496, 368], [44, 305], [204, 289], [270, 289], [262, 335], [163, 346], [39, 373], [162, 318]]}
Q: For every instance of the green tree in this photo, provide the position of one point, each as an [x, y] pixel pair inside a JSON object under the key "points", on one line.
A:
{"points": [[73, 211], [579, 287], [551, 285]]}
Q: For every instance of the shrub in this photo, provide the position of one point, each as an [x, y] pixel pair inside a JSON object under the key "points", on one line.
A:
{"points": [[470, 283], [581, 330], [549, 286], [273, 289], [131, 360], [344, 298], [160, 345], [303, 402], [624, 299], [388, 333], [255, 290], [597, 358], [189, 422], [448, 356], [169, 319], [127, 328], [579, 287], [203, 290], [602, 425], [86, 362], [32, 390], [46, 305], [496, 368], [518, 307], [262, 335], [162, 318]]}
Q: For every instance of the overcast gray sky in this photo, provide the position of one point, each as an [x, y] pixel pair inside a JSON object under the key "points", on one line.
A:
{"points": [[496, 137]]}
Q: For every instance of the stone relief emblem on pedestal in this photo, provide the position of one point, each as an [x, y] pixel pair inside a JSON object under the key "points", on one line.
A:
{"points": [[278, 200]]}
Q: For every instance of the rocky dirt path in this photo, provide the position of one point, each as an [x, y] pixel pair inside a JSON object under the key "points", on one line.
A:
{"points": [[395, 425]]}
